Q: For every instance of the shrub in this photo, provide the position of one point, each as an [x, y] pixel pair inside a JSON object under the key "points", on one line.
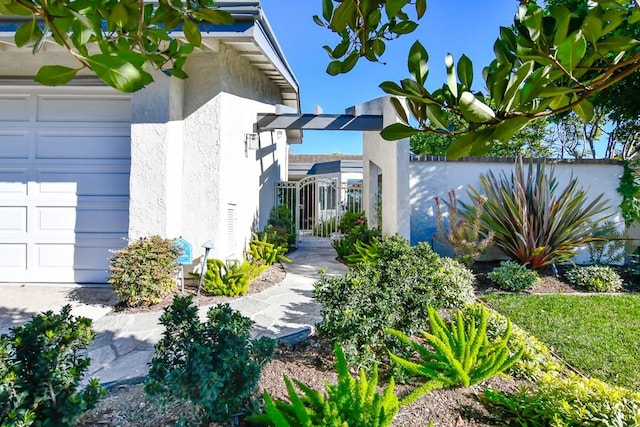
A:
{"points": [[609, 244], [230, 279], [461, 353], [325, 228], [536, 358], [266, 251], [566, 401], [282, 222], [392, 292], [211, 365], [595, 278], [40, 370], [513, 277], [532, 223], [354, 233], [351, 402], [352, 220], [342, 247], [463, 236], [143, 273], [364, 252]]}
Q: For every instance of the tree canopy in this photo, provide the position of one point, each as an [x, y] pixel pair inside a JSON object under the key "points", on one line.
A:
{"points": [[552, 60]]}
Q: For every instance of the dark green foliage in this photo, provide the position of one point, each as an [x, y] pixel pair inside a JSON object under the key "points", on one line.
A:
{"points": [[351, 402], [143, 273], [351, 220], [230, 279], [629, 189], [532, 224], [211, 365], [267, 251], [40, 370], [566, 401], [513, 277], [282, 222], [392, 292], [461, 353], [342, 247]]}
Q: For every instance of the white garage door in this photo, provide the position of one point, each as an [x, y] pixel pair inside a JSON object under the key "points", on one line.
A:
{"points": [[64, 182]]}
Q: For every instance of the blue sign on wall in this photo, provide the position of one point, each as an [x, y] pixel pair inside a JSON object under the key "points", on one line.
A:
{"points": [[185, 258]]}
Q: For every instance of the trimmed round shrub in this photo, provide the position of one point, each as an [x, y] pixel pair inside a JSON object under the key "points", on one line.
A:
{"points": [[142, 273], [513, 277], [595, 278], [394, 290]]}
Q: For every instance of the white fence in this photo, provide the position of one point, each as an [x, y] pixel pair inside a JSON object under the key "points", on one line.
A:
{"points": [[431, 177]]}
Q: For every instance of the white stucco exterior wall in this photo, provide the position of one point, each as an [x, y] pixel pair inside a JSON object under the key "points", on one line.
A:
{"points": [[391, 160], [435, 178]]}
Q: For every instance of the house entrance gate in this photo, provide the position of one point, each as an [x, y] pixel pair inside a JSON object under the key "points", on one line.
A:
{"points": [[317, 203]]}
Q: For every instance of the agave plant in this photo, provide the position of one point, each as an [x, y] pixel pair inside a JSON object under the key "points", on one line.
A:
{"points": [[531, 224]]}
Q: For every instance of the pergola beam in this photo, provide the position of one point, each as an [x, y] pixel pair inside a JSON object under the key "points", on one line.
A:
{"points": [[319, 122]]}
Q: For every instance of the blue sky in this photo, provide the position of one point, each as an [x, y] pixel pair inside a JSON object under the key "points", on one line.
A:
{"points": [[458, 27]]}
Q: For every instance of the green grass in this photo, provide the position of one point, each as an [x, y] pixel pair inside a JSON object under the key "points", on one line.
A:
{"points": [[598, 335]]}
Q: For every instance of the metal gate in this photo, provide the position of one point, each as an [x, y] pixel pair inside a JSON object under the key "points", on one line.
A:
{"points": [[318, 203]]}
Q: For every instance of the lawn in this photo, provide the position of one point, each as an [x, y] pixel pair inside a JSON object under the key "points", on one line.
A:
{"points": [[598, 335]]}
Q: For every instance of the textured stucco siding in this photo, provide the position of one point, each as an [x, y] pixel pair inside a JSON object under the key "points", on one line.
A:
{"points": [[431, 179]]}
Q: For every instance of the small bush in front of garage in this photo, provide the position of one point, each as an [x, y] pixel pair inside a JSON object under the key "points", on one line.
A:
{"points": [[142, 273]]}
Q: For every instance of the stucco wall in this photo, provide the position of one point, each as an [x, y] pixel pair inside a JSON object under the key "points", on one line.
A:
{"points": [[390, 159], [435, 178]]}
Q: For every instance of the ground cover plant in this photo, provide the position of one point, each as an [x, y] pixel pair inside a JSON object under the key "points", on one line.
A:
{"points": [[598, 335], [595, 278], [513, 277]]}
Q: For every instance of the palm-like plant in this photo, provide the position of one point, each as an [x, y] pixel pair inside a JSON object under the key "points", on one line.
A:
{"points": [[530, 223]]}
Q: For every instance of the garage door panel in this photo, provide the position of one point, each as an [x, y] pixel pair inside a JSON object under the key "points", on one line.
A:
{"points": [[54, 255], [64, 182], [84, 183], [14, 144], [102, 221], [83, 108], [13, 183], [13, 256], [55, 219], [83, 144], [13, 218], [15, 108]]}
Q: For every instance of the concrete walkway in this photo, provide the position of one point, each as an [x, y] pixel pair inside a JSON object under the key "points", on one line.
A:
{"points": [[124, 343]]}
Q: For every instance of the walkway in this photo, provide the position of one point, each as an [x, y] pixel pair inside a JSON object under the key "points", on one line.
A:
{"points": [[124, 343]]}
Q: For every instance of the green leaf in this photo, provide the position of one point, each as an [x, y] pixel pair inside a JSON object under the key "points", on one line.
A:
{"points": [[585, 110], [334, 68], [465, 72], [27, 32], [461, 146], [344, 16], [327, 9], [512, 92], [318, 21], [119, 15], [417, 62], [378, 47], [404, 27], [532, 19], [436, 116], [118, 72], [55, 75], [373, 18], [192, 32], [398, 131], [571, 51], [213, 16], [392, 88], [349, 62], [393, 7], [400, 110], [634, 17], [592, 28], [421, 8], [562, 17]]}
